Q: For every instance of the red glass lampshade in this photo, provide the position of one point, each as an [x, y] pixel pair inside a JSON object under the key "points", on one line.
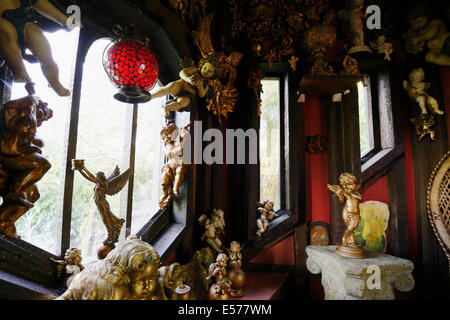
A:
{"points": [[133, 68]]}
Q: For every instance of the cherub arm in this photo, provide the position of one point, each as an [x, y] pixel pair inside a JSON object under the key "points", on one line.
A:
{"points": [[48, 10], [88, 175], [338, 191], [191, 76]]}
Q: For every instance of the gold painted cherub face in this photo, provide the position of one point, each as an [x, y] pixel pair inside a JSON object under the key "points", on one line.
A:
{"points": [[268, 205], [348, 181], [144, 282], [235, 246], [207, 70]]}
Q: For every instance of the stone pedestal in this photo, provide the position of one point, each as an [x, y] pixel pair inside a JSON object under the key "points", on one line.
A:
{"points": [[373, 278]]}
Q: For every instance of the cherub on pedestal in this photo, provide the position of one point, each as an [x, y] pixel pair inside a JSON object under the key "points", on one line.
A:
{"points": [[354, 15], [221, 289], [19, 31], [236, 274], [347, 192]]}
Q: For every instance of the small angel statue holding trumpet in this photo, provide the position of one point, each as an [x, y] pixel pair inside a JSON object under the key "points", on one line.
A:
{"points": [[105, 186]]}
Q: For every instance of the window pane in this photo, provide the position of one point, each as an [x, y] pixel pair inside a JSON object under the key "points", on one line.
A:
{"points": [[365, 118], [148, 163], [269, 142], [101, 135], [40, 225]]}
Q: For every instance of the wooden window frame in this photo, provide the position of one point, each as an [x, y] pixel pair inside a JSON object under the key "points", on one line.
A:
{"points": [[292, 168], [27, 269], [386, 150]]}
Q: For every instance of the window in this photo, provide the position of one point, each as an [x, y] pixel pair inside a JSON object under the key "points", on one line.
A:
{"points": [[270, 143], [377, 143], [104, 141], [108, 133], [40, 225]]}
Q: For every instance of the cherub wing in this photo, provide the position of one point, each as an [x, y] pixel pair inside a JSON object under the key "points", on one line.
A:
{"points": [[118, 182], [202, 37], [114, 174]]}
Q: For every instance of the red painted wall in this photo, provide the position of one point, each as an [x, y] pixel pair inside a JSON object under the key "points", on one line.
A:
{"points": [[317, 196]]}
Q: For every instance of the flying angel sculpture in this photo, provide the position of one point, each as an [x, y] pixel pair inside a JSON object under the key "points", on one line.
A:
{"points": [[105, 186]]}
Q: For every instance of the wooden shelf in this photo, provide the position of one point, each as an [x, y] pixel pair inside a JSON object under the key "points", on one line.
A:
{"points": [[323, 85], [263, 285]]}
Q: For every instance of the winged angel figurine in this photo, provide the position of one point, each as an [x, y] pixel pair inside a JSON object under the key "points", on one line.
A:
{"points": [[106, 186], [213, 78]]}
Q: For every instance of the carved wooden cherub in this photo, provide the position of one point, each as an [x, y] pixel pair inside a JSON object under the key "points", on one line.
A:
{"points": [[174, 170], [235, 255], [206, 79], [105, 186], [427, 31], [71, 265], [347, 192], [267, 214], [354, 15], [21, 162], [214, 227], [129, 272], [18, 31], [380, 46], [416, 89]]}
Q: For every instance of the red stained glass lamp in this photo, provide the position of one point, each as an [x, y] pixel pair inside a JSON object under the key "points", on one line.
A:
{"points": [[133, 68]]}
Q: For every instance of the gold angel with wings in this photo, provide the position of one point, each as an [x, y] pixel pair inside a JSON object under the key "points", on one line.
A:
{"points": [[206, 79], [106, 186]]}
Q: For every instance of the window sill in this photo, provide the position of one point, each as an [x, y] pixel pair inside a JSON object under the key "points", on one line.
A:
{"points": [[15, 288], [279, 229], [379, 164]]}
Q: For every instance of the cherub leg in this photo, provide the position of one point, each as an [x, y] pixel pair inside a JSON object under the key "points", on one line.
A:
{"points": [[40, 47], [179, 103], [422, 104], [31, 168], [434, 105], [179, 177], [172, 89], [10, 51]]}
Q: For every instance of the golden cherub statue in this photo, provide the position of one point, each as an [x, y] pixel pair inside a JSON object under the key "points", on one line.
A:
{"points": [[105, 186], [174, 170], [21, 162], [214, 227], [71, 265], [19, 31], [221, 289], [267, 214], [236, 274], [347, 192], [381, 46], [128, 272], [429, 32], [206, 79]]}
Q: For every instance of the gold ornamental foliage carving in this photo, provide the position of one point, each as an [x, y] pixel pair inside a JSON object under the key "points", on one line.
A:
{"points": [[222, 97]]}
